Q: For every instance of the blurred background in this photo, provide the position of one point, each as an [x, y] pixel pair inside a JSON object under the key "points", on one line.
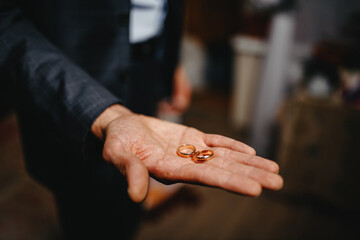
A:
{"points": [[280, 75]]}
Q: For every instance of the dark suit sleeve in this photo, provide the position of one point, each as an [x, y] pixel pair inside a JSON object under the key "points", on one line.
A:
{"points": [[66, 95]]}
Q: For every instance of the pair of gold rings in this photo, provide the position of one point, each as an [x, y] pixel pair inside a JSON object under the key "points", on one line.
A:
{"points": [[189, 151]]}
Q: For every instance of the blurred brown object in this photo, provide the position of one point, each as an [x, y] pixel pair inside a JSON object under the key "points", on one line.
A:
{"points": [[332, 52], [212, 20], [217, 21], [319, 152]]}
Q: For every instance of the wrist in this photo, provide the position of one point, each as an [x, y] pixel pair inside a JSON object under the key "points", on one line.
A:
{"points": [[106, 117]]}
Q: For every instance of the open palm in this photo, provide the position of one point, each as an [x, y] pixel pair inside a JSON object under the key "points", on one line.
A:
{"points": [[139, 145]]}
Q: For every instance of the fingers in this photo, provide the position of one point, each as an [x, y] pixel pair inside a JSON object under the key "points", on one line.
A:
{"points": [[217, 177], [136, 172], [250, 160], [264, 178], [214, 140], [138, 179]]}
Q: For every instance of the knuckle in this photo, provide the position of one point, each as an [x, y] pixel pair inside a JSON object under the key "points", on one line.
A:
{"points": [[249, 160], [108, 152]]}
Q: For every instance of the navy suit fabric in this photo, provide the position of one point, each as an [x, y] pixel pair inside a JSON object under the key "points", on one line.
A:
{"points": [[69, 60]]}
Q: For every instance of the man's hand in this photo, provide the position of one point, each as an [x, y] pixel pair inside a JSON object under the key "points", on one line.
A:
{"points": [[181, 95], [138, 146]]}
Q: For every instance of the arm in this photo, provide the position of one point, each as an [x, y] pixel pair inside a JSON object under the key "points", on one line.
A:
{"points": [[68, 97]]}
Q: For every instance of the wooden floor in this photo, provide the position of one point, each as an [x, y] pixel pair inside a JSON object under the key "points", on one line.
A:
{"points": [[27, 210]]}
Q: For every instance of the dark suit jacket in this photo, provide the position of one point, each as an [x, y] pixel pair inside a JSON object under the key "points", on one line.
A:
{"points": [[69, 61]]}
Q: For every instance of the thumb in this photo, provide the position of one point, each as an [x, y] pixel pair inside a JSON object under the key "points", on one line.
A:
{"points": [[138, 179]]}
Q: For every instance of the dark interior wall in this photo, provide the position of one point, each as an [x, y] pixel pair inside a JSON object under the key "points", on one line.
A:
{"points": [[336, 20], [212, 20]]}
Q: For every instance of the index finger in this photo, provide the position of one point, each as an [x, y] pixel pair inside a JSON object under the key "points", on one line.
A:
{"points": [[215, 140]]}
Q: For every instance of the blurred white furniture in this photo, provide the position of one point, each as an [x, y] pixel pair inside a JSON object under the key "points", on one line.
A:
{"points": [[249, 52]]}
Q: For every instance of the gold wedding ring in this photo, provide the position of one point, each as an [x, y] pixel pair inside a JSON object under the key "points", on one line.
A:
{"points": [[189, 151], [186, 150], [202, 156]]}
